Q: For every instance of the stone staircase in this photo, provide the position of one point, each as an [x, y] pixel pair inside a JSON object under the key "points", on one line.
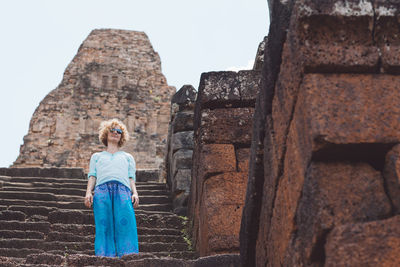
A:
{"points": [[43, 221]]}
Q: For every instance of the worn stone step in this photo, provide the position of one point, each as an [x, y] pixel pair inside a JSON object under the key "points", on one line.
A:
{"points": [[64, 172], [83, 182], [42, 227], [79, 205], [77, 229], [70, 237], [11, 261], [19, 252], [21, 243], [73, 259], [22, 202], [45, 258], [60, 245], [144, 200], [160, 246], [15, 243], [161, 239], [11, 215], [158, 231], [84, 246], [55, 180], [35, 210], [89, 230], [21, 234], [27, 196], [75, 191], [156, 207], [142, 219], [58, 191]]}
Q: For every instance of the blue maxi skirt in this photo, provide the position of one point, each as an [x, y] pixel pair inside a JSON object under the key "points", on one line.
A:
{"points": [[114, 217]]}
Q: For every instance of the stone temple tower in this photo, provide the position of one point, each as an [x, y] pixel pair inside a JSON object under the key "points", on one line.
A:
{"points": [[115, 74]]}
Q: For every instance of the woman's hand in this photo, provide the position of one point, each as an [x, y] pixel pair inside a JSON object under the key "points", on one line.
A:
{"points": [[135, 200], [88, 199]]}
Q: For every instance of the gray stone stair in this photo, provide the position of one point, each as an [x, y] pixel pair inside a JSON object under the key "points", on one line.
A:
{"points": [[43, 221]]}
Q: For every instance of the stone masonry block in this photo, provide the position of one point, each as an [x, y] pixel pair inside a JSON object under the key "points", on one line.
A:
{"points": [[228, 86], [181, 181], [182, 159], [182, 140], [374, 243], [216, 158], [328, 44], [221, 211], [183, 121], [231, 125], [335, 194], [344, 108]]}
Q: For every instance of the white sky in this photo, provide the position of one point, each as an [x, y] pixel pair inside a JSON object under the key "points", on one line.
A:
{"points": [[39, 39]]}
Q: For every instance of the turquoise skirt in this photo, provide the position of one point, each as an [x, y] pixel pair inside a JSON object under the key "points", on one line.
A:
{"points": [[114, 217]]}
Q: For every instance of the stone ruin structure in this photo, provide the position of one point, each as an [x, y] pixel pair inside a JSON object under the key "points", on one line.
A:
{"points": [[115, 74], [295, 163], [180, 148], [324, 186], [222, 137]]}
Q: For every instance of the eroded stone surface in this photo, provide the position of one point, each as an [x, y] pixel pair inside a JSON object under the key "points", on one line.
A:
{"points": [[115, 74], [222, 124], [365, 244], [222, 198], [328, 100]]}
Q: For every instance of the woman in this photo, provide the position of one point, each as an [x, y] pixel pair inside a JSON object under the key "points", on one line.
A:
{"points": [[113, 173]]}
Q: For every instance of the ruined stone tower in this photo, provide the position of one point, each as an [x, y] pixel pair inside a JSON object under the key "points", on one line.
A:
{"points": [[115, 74]]}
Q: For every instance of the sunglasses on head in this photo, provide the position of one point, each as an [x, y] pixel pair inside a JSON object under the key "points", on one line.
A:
{"points": [[119, 131]]}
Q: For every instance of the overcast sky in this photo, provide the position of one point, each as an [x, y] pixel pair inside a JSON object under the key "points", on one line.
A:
{"points": [[39, 39]]}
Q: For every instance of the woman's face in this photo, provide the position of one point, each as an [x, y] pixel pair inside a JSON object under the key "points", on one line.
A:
{"points": [[113, 136]]}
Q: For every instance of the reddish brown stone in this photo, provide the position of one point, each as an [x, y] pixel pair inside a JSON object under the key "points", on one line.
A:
{"points": [[335, 194], [220, 212], [115, 74], [216, 158], [208, 159], [337, 118], [231, 125], [327, 43], [344, 108], [392, 177], [284, 200], [365, 244]]}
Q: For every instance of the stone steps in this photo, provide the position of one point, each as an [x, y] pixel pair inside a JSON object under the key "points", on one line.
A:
{"points": [[43, 220], [82, 246], [70, 237], [80, 185], [44, 181], [157, 199], [73, 191], [89, 260], [77, 205]]}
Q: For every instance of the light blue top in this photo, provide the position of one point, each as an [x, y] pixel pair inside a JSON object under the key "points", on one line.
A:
{"points": [[106, 167]]}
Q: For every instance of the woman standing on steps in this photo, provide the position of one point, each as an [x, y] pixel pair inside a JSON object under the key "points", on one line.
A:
{"points": [[112, 174]]}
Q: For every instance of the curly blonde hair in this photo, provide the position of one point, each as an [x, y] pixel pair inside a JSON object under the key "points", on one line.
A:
{"points": [[105, 128]]}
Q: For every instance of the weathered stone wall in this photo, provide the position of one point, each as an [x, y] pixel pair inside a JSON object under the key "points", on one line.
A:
{"points": [[180, 147], [115, 74], [223, 119], [327, 132]]}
